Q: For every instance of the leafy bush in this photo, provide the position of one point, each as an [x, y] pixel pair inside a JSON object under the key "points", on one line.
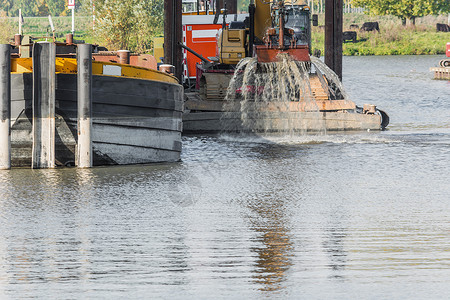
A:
{"points": [[128, 24]]}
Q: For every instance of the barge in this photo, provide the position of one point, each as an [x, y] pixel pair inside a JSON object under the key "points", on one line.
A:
{"points": [[263, 78], [136, 110]]}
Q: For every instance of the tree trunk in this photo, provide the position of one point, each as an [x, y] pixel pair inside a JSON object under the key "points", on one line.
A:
{"points": [[404, 21], [412, 21]]}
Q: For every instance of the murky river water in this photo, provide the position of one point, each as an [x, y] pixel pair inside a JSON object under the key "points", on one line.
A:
{"points": [[343, 216]]}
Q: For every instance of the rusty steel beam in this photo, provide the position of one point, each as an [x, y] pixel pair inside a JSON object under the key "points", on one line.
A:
{"points": [[333, 35]]}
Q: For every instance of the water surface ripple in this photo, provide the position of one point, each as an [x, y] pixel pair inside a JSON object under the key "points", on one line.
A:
{"points": [[339, 216]]}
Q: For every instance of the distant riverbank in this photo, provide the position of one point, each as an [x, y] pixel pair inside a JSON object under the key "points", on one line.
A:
{"points": [[393, 38], [40, 26], [397, 41]]}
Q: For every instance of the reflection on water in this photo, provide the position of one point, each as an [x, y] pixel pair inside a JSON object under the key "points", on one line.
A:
{"points": [[334, 246], [338, 216], [256, 219], [274, 259], [275, 247]]}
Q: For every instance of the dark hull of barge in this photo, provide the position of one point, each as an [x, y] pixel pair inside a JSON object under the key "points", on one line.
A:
{"points": [[134, 121]]}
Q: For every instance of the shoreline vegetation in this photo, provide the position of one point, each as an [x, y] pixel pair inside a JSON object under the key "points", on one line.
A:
{"points": [[393, 38]]}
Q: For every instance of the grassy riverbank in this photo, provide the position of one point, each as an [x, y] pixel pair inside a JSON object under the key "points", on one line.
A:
{"points": [[393, 39], [40, 26]]}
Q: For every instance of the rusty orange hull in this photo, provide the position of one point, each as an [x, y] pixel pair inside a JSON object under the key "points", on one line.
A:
{"points": [[266, 54]]}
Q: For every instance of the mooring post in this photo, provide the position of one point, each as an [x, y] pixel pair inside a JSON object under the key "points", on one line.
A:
{"points": [[17, 39], [124, 56], [69, 38], [5, 106], [333, 35], [84, 98], [44, 83]]}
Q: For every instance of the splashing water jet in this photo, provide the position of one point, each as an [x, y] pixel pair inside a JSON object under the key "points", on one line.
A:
{"points": [[280, 97]]}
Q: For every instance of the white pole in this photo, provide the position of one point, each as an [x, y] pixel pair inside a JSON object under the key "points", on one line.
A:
{"points": [[93, 16], [73, 20], [20, 21]]}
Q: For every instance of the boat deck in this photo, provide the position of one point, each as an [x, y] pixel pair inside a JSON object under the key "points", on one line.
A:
{"points": [[441, 73]]}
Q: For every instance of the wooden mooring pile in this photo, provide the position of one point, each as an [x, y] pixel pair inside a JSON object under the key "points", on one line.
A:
{"points": [[43, 106]]}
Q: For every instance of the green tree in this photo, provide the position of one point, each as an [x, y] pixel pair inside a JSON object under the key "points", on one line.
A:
{"points": [[149, 18], [56, 7], [28, 7], [405, 9], [6, 5], [243, 5], [115, 22], [127, 24], [32, 8], [41, 8]]}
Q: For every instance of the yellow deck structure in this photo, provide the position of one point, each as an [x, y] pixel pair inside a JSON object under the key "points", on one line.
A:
{"points": [[69, 66]]}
